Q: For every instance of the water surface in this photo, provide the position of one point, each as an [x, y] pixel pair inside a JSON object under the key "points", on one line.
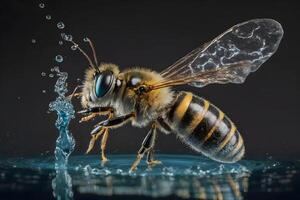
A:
{"points": [[179, 177]]}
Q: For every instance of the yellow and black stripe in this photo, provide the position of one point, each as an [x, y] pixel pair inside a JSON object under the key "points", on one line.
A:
{"points": [[205, 128], [229, 187]]}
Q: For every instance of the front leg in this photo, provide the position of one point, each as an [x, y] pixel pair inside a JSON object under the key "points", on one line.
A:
{"points": [[102, 129], [147, 147], [113, 122], [95, 111]]}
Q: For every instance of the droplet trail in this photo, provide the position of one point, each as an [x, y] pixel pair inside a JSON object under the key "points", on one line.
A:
{"points": [[59, 58], [60, 25]]}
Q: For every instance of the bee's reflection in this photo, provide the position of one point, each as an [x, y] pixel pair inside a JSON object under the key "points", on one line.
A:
{"points": [[226, 186]]}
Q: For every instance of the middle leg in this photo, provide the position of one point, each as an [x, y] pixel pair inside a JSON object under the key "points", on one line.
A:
{"points": [[102, 129]]}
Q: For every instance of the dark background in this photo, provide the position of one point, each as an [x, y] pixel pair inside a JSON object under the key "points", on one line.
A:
{"points": [[152, 34]]}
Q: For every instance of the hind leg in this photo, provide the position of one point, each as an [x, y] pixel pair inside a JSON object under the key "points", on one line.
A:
{"points": [[147, 147], [150, 158]]}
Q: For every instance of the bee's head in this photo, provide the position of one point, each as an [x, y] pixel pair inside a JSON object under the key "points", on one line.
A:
{"points": [[102, 82], [99, 81]]}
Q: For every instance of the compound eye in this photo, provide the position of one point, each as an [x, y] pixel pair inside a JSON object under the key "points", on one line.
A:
{"points": [[103, 83]]}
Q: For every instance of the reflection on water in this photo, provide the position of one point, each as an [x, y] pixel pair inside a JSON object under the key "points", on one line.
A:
{"points": [[180, 177], [62, 185], [227, 187]]}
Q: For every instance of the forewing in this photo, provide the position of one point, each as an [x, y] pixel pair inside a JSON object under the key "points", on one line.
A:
{"points": [[239, 51]]}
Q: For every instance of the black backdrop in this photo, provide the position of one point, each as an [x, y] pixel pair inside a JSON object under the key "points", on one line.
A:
{"points": [[142, 33]]}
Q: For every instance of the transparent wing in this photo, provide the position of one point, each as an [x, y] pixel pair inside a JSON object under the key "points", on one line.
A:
{"points": [[230, 57]]}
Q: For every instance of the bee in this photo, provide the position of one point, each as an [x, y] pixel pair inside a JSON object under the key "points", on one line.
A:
{"points": [[142, 97]]}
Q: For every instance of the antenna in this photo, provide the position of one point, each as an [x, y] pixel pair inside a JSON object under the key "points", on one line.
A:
{"points": [[86, 56], [93, 49]]}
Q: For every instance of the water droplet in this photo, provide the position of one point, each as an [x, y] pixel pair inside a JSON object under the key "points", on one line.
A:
{"points": [[56, 69], [60, 25], [51, 75], [67, 37], [74, 47], [19, 98], [43, 74], [42, 5], [33, 41], [60, 42], [86, 39], [59, 58], [44, 91], [48, 17]]}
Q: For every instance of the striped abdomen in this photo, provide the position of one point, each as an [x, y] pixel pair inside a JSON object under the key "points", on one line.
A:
{"points": [[205, 128]]}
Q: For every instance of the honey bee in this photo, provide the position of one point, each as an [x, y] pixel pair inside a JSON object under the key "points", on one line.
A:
{"points": [[144, 97]]}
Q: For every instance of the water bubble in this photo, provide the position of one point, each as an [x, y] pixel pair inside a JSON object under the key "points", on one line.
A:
{"points": [[59, 58], [19, 98], [48, 17], [60, 25], [43, 74], [42, 5], [44, 91], [74, 47], [51, 75], [86, 39], [67, 37], [60, 42], [56, 69], [33, 41]]}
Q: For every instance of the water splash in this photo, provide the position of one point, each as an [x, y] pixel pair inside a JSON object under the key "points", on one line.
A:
{"points": [[65, 143]]}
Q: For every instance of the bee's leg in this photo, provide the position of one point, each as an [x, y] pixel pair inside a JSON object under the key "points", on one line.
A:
{"points": [[103, 145], [93, 140], [150, 158], [103, 131], [93, 112], [113, 122], [107, 124], [147, 146]]}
